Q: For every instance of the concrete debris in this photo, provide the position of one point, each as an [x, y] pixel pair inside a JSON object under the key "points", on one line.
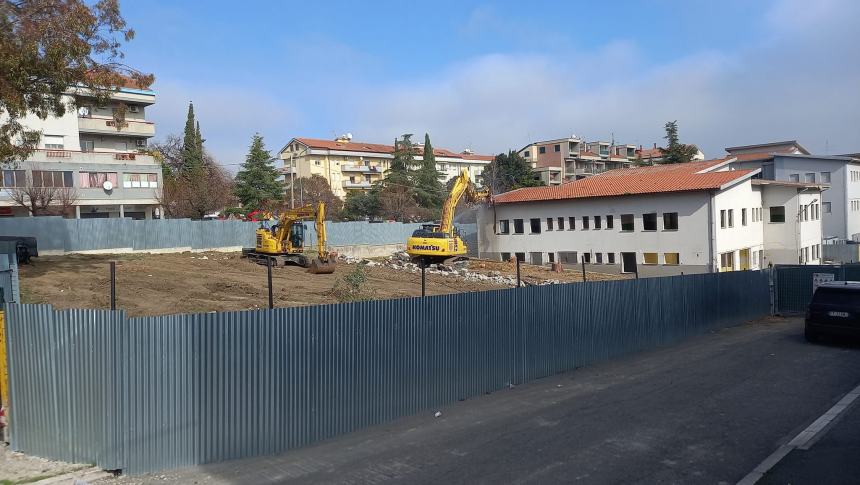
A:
{"points": [[204, 257], [438, 414]]}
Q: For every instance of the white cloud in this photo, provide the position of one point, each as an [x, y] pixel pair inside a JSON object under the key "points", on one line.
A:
{"points": [[800, 82]]}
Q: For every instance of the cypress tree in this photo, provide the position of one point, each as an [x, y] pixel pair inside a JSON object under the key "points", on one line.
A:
{"points": [[430, 192], [257, 181], [192, 153]]}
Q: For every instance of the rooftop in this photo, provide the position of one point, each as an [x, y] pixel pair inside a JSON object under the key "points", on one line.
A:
{"points": [[782, 183], [784, 145], [682, 177], [362, 147]]}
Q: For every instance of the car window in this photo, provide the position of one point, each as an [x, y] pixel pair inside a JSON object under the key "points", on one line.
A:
{"points": [[836, 296]]}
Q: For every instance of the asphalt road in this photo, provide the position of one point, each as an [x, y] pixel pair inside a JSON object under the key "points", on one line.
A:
{"points": [[708, 410]]}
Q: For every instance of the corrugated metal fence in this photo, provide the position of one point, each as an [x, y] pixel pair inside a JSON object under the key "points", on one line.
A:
{"points": [[793, 283], [58, 235], [144, 394]]}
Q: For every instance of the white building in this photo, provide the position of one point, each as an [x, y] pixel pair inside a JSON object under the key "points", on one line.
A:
{"points": [[789, 161], [660, 220], [84, 153]]}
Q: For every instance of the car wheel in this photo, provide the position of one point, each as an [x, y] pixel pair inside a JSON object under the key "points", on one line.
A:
{"points": [[811, 336]]}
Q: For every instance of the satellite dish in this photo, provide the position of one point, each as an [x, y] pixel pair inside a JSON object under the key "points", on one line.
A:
{"points": [[107, 185], [349, 136], [83, 111]]}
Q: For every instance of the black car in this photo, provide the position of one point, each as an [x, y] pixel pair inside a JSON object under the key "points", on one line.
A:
{"points": [[834, 310]]}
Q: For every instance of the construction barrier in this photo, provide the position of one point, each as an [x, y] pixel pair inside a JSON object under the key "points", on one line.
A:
{"points": [[793, 284], [151, 393]]}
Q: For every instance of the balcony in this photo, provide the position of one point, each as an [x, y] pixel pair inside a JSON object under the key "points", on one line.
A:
{"points": [[78, 158], [107, 126], [360, 168], [362, 185]]}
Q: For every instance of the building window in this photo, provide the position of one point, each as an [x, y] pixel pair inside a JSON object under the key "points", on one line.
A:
{"points": [[795, 177], [731, 218], [825, 177], [744, 216], [88, 145], [14, 178], [526, 154], [534, 226], [809, 178], [585, 222], [649, 258], [571, 223], [549, 223], [139, 180], [542, 150], [777, 213], [504, 226], [722, 218], [609, 222], [506, 256], [670, 221], [45, 178], [671, 258], [586, 258], [649, 221], [825, 206], [598, 222], [561, 223], [556, 148], [626, 222], [727, 261], [53, 142], [610, 258], [598, 258], [317, 162], [95, 180], [521, 257], [518, 226]]}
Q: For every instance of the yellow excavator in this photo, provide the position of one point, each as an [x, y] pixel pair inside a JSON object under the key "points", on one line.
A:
{"points": [[441, 243], [284, 242]]}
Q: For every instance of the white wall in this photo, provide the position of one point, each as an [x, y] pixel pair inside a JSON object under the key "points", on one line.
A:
{"points": [[65, 126], [783, 240], [743, 196]]}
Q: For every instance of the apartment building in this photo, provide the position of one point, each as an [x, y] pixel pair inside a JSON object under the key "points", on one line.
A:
{"points": [[566, 159], [92, 158], [659, 220], [651, 156], [353, 165], [790, 162]]}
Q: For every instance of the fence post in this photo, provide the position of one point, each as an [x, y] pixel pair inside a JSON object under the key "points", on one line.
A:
{"points": [[113, 285], [583, 271], [423, 278], [4, 378], [269, 278], [519, 281]]}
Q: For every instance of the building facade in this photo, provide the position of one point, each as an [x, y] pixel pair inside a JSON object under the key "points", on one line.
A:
{"points": [[789, 162], [90, 160], [663, 220], [567, 159], [353, 165]]}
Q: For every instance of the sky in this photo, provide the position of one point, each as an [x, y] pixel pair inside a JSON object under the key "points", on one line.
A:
{"points": [[493, 76]]}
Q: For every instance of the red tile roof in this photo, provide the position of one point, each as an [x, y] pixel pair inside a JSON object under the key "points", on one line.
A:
{"points": [[650, 153], [357, 146], [680, 177]]}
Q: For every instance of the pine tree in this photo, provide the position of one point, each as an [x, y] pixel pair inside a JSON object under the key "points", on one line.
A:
{"points": [[509, 171], [257, 181], [429, 191], [200, 140], [676, 152], [192, 153], [401, 166]]}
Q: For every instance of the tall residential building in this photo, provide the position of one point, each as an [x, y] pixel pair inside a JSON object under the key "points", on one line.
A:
{"points": [[353, 165], [658, 220], [788, 161], [567, 159], [92, 159]]}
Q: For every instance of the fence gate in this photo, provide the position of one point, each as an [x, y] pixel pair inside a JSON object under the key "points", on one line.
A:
{"points": [[793, 283]]}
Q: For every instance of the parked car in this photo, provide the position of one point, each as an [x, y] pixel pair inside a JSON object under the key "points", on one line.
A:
{"points": [[834, 310]]}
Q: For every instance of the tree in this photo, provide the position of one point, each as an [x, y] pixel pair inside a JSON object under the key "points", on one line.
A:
{"points": [[401, 166], [315, 189], [40, 200], [676, 152], [192, 144], [257, 181], [509, 171], [360, 205], [49, 46], [397, 202], [429, 191]]}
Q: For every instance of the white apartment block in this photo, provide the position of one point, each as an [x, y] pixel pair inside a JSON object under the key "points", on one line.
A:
{"points": [[661, 220], [84, 153], [353, 165], [789, 161]]}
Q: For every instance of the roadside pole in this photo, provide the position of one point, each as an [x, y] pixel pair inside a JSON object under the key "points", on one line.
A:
{"points": [[113, 285], [583, 271], [519, 281], [423, 279], [269, 277]]}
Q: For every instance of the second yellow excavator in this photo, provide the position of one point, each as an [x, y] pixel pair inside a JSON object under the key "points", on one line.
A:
{"points": [[441, 243], [284, 242]]}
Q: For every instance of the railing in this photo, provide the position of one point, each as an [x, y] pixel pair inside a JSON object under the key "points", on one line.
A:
{"points": [[58, 154], [360, 168], [102, 125], [356, 185], [125, 156]]}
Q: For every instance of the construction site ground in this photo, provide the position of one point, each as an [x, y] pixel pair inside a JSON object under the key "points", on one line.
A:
{"points": [[157, 284]]}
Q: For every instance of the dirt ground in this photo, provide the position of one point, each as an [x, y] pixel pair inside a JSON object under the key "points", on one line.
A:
{"points": [[157, 284], [20, 468]]}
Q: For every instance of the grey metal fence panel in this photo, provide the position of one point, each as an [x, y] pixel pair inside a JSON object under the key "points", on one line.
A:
{"points": [[9, 274], [190, 389], [793, 283]]}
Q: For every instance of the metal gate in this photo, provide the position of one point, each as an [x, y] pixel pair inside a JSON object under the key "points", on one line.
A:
{"points": [[793, 283]]}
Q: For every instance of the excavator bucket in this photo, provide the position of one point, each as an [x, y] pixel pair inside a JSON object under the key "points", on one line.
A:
{"points": [[322, 266]]}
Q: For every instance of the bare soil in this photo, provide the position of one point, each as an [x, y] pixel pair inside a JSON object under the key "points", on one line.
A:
{"points": [[157, 284]]}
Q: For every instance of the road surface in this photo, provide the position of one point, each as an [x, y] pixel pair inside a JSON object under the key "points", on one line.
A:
{"points": [[708, 410]]}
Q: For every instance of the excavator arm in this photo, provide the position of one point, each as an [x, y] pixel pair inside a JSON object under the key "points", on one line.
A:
{"points": [[461, 185]]}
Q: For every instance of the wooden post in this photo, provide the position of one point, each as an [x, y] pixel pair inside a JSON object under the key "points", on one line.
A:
{"points": [[423, 278], [583, 270], [269, 278], [519, 281], [113, 285]]}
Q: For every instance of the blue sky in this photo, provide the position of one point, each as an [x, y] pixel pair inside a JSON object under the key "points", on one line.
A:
{"points": [[495, 75]]}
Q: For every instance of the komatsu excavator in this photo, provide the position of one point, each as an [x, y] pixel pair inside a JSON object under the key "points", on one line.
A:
{"points": [[284, 242], [441, 243]]}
